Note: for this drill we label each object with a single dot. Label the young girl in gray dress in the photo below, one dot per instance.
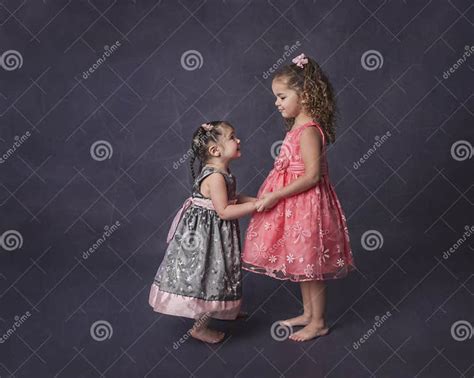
(200, 275)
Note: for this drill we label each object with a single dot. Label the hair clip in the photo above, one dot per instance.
(300, 60)
(207, 126)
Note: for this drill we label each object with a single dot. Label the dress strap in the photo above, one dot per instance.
(205, 172)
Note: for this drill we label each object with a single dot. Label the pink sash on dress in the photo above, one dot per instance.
(203, 202)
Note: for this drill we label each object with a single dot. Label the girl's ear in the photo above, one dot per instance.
(214, 150)
(302, 98)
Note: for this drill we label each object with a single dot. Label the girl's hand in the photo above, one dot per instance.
(269, 200)
(258, 205)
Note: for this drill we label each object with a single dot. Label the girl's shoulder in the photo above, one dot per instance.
(304, 126)
(311, 124)
(208, 170)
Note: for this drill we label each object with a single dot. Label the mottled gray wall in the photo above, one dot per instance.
(85, 145)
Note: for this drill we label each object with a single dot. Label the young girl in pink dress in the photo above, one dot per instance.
(299, 232)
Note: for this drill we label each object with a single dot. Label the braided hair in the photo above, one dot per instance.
(315, 89)
(205, 134)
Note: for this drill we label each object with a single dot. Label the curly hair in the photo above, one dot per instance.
(315, 90)
(202, 137)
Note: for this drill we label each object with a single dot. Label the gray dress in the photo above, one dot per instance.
(201, 270)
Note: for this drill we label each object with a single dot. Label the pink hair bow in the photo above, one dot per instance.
(207, 126)
(300, 60)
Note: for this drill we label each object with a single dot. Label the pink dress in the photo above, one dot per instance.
(304, 237)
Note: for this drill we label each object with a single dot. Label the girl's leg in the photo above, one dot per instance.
(202, 332)
(305, 318)
(317, 325)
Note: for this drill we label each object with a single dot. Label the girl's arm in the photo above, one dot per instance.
(242, 198)
(218, 194)
(310, 153)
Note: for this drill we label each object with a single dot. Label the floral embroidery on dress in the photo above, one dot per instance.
(309, 271)
(267, 226)
(300, 233)
(269, 272)
(324, 256)
(340, 263)
(261, 249)
(251, 234)
(288, 213)
(279, 212)
(272, 259)
(290, 258)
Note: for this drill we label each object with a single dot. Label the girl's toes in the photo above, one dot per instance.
(220, 337)
(217, 337)
(293, 337)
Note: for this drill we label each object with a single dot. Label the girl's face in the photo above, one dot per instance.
(229, 144)
(287, 100)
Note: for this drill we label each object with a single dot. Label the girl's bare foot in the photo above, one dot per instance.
(301, 320)
(309, 332)
(207, 335)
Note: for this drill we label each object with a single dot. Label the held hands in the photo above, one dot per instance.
(267, 201)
